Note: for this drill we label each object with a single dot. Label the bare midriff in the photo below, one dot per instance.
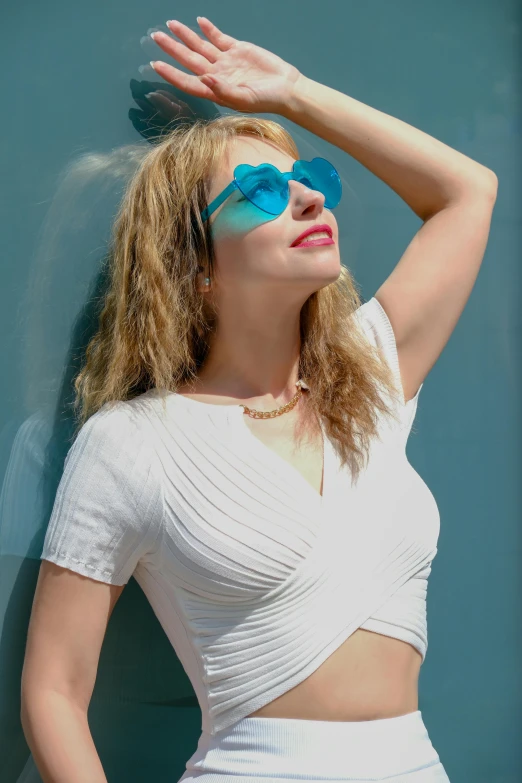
(370, 676)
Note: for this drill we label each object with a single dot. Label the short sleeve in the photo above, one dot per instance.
(378, 329)
(107, 513)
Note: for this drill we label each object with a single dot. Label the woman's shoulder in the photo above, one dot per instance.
(118, 427)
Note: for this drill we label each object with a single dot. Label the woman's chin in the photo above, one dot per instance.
(322, 275)
(326, 268)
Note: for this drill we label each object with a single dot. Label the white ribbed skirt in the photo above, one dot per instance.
(276, 750)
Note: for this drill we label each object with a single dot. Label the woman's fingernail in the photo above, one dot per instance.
(152, 65)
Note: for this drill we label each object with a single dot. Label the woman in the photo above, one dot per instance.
(287, 559)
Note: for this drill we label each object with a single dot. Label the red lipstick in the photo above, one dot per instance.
(316, 241)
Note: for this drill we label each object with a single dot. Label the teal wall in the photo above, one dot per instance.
(75, 122)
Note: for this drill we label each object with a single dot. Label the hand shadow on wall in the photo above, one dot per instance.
(163, 106)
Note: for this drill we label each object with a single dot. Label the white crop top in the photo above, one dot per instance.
(255, 577)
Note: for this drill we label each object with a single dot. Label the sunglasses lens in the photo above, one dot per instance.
(320, 175)
(264, 187)
(267, 189)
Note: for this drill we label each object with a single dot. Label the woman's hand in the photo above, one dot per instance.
(232, 73)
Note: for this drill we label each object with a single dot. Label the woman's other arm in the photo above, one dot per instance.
(58, 734)
(69, 618)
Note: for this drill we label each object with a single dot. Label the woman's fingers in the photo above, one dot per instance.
(193, 41)
(185, 82)
(219, 39)
(196, 62)
(194, 53)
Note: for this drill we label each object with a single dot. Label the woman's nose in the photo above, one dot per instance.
(304, 197)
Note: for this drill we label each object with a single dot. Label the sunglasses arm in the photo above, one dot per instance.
(206, 213)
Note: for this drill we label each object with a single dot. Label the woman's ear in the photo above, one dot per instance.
(203, 281)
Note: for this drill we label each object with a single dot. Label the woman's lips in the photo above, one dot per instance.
(322, 228)
(312, 242)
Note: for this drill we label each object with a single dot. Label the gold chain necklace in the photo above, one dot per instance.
(278, 411)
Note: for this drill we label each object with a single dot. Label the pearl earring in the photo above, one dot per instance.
(207, 280)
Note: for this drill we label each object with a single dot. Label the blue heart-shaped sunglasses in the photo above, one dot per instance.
(267, 187)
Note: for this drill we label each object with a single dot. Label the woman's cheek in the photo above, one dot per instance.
(239, 220)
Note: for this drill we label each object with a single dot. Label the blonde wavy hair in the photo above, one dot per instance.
(154, 325)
